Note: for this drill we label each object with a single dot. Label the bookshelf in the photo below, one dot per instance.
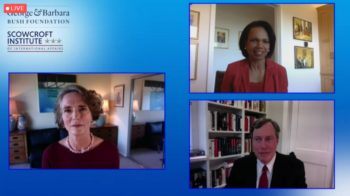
(221, 130)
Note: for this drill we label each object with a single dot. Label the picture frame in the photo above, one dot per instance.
(49, 87)
(302, 29)
(194, 24)
(119, 95)
(193, 60)
(303, 57)
(221, 38)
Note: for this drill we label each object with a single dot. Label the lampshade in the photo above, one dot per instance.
(13, 107)
(105, 106)
(135, 105)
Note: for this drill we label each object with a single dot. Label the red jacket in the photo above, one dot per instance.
(236, 78)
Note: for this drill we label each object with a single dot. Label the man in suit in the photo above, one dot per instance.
(266, 168)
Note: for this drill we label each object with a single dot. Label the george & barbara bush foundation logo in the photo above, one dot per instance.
(36, 29)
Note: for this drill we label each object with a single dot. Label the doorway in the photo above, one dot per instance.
(147, 120)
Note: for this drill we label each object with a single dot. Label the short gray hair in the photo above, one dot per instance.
(262, 121)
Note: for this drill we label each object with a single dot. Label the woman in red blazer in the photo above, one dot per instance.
(257, 72)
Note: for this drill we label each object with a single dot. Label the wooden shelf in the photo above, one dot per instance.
(226, 157)
(198, 159)
(212, 115)
(225, 132)
(221, 186)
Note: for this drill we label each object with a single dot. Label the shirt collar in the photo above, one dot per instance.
(269, 165)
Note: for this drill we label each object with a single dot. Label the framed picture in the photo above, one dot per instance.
(49, 86)
(194, 24)
(303, 57)
(302, 29)
(221, 37)
(193, 60)
(119, 95)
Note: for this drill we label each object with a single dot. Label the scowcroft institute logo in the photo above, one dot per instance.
(35, 29)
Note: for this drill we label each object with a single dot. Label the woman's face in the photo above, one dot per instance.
(258, 44)
(76, 114)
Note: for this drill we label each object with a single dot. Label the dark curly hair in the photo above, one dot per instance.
(92, 99)
(270, 33)
(261, 122)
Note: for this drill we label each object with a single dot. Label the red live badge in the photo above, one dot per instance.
(15, 8)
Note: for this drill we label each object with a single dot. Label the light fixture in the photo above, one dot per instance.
(135, 105)
(135, 108)
(105, 106)
(13, 107)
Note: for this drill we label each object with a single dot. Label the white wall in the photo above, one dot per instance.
(24, 89)
(120, 115)
(194, 132)
(206, 14)
(300, 80)
(275, 111)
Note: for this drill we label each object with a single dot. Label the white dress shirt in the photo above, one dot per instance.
(259, 167)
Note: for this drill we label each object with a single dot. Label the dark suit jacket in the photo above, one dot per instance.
(288, 172)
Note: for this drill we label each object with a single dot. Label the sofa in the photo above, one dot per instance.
(154, 135)
(38, 140)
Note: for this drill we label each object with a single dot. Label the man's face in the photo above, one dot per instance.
(265, 143)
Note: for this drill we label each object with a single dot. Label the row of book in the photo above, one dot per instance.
(248, 122)
(220, 174)
(198, 178)
(237, 104)
(248, 104)
(224, 146)
(225, 121)
(255, 105)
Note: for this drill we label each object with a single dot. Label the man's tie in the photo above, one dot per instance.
(263, 182)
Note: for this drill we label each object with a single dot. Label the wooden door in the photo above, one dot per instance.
(326, 39)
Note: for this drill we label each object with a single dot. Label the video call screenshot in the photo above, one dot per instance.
(173, 98)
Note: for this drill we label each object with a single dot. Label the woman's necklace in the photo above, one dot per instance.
(83, 150)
